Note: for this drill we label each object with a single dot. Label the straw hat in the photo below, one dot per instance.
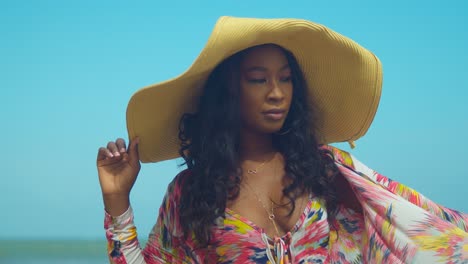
(344, 79)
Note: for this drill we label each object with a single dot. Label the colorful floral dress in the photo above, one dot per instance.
(397, 225)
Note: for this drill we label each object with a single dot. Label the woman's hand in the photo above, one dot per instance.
(118, 168)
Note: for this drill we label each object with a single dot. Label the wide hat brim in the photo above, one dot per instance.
(344, 80)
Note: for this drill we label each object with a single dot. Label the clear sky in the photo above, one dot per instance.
(68, 69)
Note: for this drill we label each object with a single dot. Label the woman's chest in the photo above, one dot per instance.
(238, 240)
(274, 220)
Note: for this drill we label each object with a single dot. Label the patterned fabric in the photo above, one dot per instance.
(397, 225)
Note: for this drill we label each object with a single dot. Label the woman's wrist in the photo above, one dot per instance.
(116, 205)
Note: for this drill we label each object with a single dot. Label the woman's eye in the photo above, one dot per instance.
(257, 80)
(286, 79)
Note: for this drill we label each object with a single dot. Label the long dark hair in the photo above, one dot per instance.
(210, 147)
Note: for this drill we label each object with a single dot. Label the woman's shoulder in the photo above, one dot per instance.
(168, 218)
(338, 155)
(174, 189)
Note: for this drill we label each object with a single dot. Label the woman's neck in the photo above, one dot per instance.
(255, 146)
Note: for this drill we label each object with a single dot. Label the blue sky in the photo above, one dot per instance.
(68, 69)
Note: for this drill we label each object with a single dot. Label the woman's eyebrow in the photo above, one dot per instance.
(260, 68)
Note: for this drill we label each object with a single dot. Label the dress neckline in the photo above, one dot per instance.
(261, 230)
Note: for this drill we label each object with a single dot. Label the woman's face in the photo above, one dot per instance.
(265, 89)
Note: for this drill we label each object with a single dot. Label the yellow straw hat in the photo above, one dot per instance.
(344, 80)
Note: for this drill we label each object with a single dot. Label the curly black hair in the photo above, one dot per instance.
(210, 147)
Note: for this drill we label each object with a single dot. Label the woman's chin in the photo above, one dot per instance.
(272, 130)
(267, 128)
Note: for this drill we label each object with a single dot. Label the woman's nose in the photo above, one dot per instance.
(275, 93)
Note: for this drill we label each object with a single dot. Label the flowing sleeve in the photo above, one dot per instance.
(401, 224)
(164, 243)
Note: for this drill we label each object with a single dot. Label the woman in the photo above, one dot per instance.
(260, 187)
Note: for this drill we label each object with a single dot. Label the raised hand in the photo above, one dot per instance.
(118, 168)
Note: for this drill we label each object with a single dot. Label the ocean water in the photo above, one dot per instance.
(53, 252)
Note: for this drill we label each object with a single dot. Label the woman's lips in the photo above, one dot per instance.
(274, 114)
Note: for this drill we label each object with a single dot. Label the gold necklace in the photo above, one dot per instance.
(271, 214)
(254, 171)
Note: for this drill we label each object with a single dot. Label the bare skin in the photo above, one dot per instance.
(118, 168)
